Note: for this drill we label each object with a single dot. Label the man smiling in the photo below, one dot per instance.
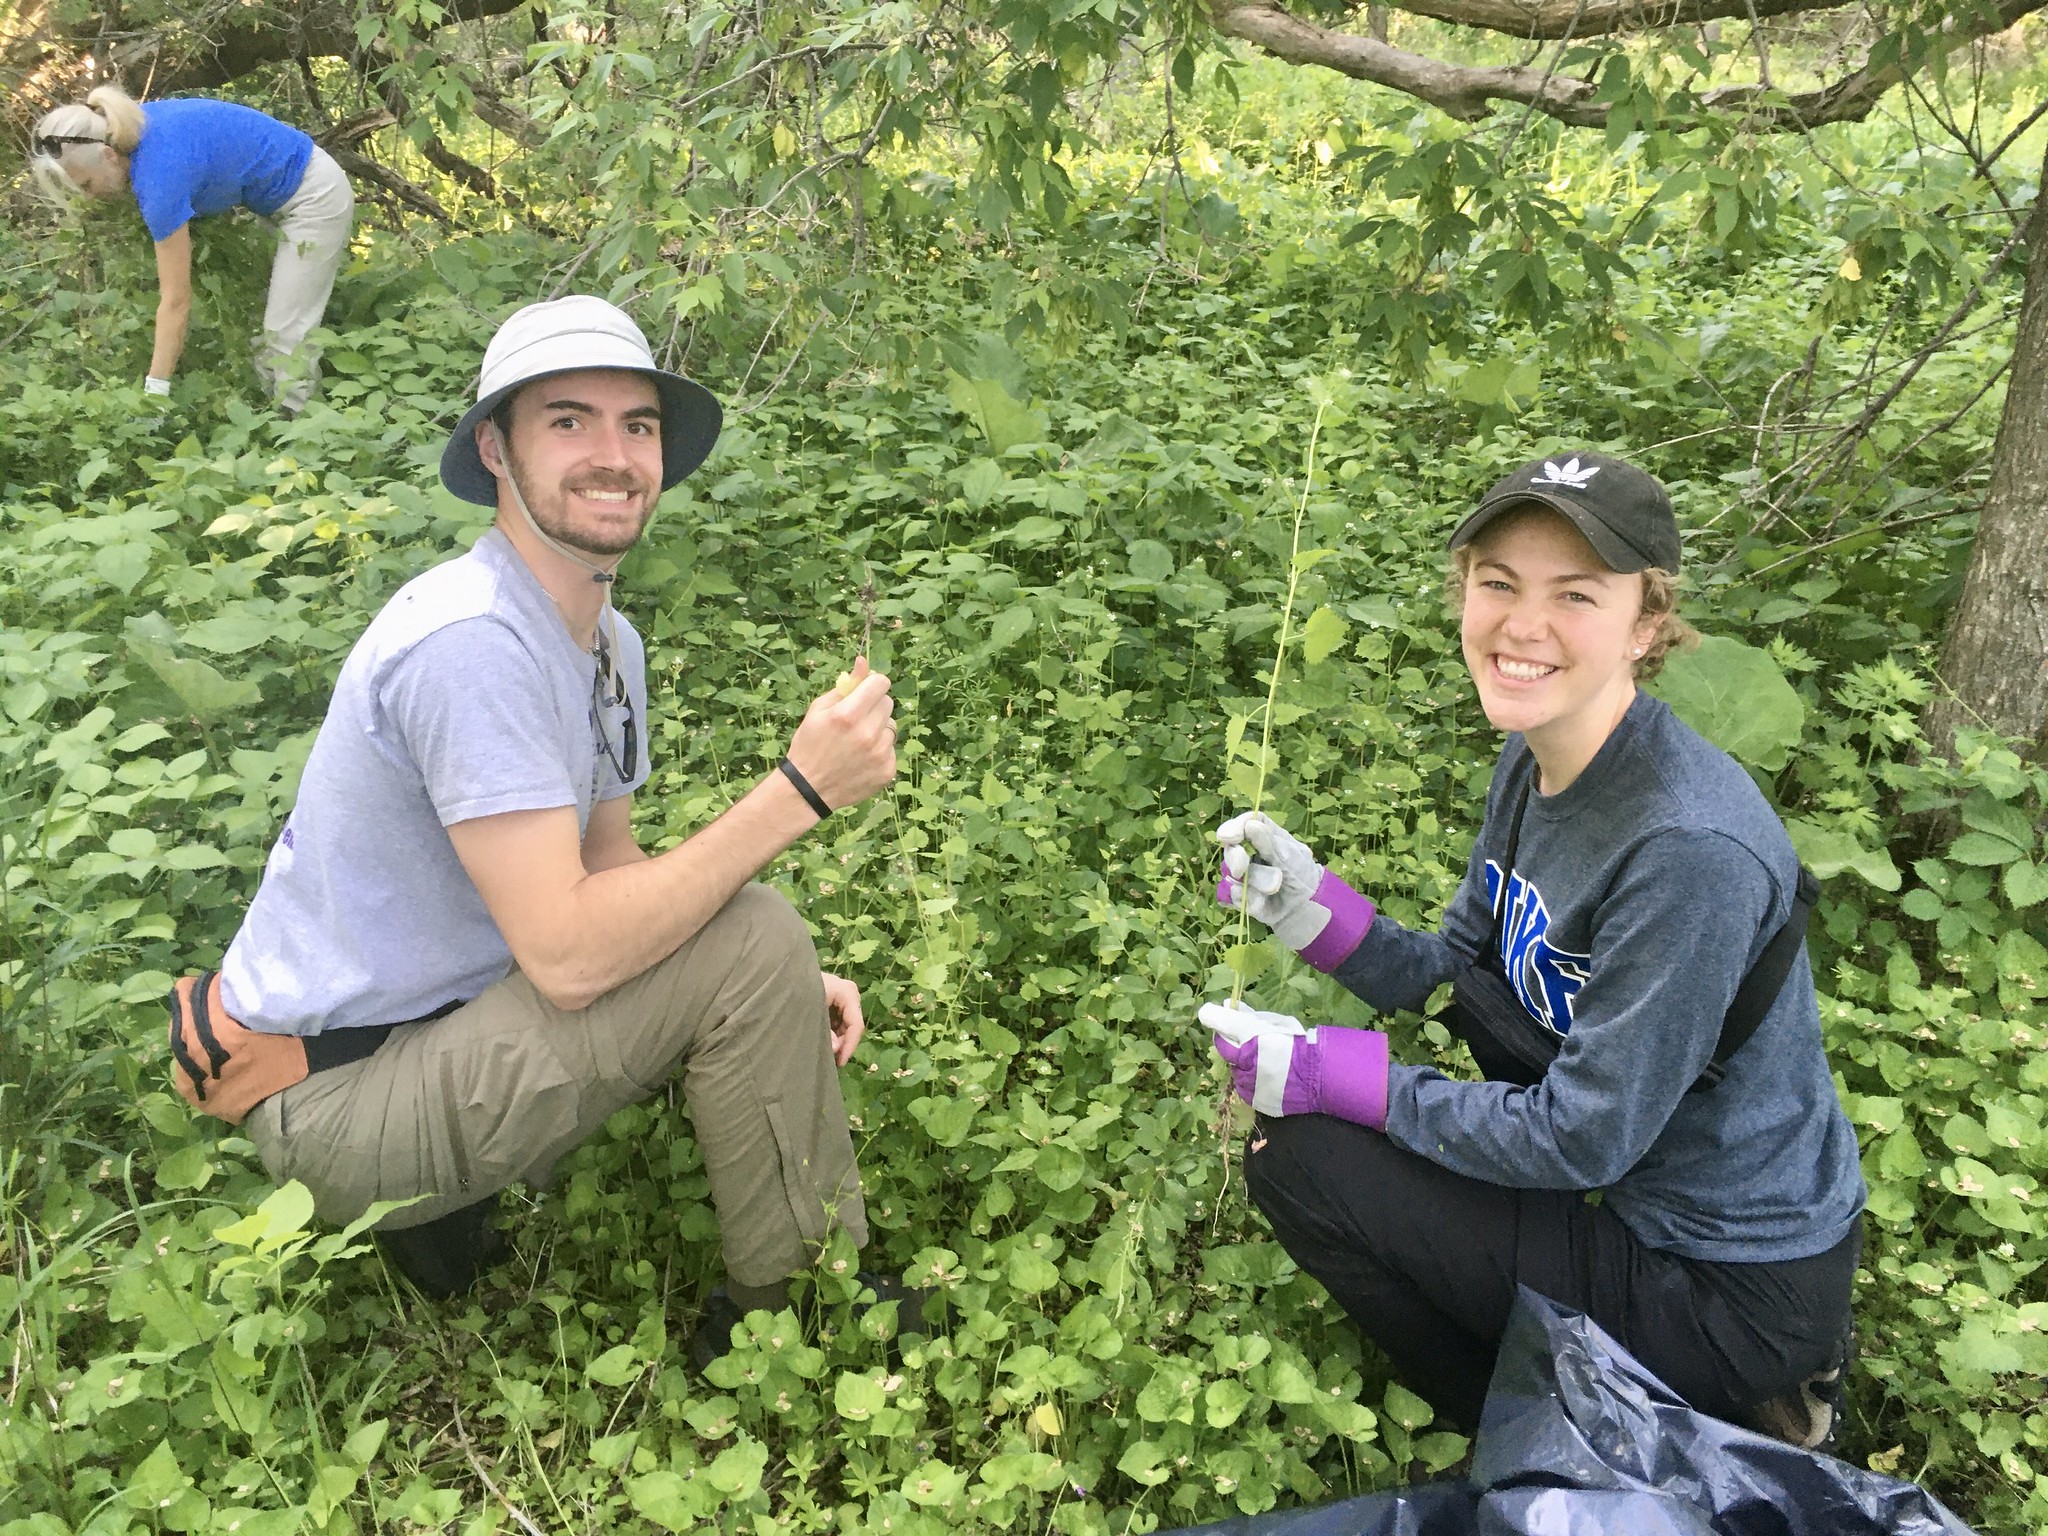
(460, 960)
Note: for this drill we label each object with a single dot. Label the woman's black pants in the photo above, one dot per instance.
(1426, 1262)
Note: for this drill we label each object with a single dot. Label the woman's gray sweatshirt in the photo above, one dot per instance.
(1641, 896)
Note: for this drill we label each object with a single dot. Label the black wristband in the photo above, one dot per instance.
(812, 798)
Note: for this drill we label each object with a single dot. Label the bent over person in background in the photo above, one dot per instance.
(460, 961)
(190, 157)
(1627, 961)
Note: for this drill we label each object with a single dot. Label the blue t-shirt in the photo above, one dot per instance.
(199, 157)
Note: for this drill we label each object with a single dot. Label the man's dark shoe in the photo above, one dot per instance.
(444, 1257)
(713, 1334)
(909, 1301)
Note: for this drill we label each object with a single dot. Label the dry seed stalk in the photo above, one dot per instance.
(1308, 478)
(1224, 1110)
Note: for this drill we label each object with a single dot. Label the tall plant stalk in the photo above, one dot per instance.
(1308, 477)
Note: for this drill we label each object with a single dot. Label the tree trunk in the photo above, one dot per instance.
(1995, 662)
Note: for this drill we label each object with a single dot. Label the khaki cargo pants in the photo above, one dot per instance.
(458, 1107)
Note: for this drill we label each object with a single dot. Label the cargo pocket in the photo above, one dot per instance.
(512, 1107)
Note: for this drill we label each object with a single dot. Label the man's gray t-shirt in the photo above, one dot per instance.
(1642, 893)
(466, 697)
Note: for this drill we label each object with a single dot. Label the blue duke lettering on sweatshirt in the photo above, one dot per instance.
(1641, 895)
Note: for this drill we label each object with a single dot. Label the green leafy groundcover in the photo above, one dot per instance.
(1080, 542)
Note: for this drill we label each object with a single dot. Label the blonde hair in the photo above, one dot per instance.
(1659, 599)
(107, 120)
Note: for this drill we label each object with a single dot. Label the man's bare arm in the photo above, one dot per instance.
(608, 842)
(577, 932)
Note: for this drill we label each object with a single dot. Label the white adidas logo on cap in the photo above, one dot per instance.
(1571, 474)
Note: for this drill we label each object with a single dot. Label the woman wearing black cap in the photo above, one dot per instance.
(1626, 955)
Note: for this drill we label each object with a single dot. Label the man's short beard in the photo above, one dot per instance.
(551, 525)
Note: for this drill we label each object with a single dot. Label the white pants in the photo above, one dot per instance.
(314, 227)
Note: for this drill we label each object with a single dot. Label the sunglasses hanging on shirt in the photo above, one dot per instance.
(608, 692)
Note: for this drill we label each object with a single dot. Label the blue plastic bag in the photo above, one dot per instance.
(1578, 1439)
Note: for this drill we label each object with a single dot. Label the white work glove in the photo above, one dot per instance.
(1278, 880)
(1239, 1022)
(152, 385)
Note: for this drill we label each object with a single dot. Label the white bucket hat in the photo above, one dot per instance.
(565, 336)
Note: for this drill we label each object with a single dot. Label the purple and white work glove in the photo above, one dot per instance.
(1310, 910)
(1280, 1068)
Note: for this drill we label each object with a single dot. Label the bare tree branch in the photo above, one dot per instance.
(1467, 92)
(1463, 91)
(362, 168)
(221, 43)
(1550, 20)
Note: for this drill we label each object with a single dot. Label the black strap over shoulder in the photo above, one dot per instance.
(1753, 998)
(1760, 988)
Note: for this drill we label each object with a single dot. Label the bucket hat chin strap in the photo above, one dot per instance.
(603, 577)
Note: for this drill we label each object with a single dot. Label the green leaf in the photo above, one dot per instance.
(157, 1480)
(1150, 560)
(1031, 1272)
(858, 1395)
(1406, 1409)
(1981, 848)
(1251, 961)
(664, 1498)
(278, 1219)
(933, 1483)
(229, 634)
(1169, 1395)
(1963, 1134)
(1146, 1462)
(944, 1120)
(2026, 883)
(1321, 636)
(1827, 851)
(615, 1367)
(1286, 1382)
(2022, 959)
(713, 1419)
(1059, 1167)
(1976, 1348)
(1004, 421)
(1034, 530)
(980, 482)
(204, 691)
(736, 1472)
(1009, 626)
(1901, 1160)
(187, 1168)
(1224, 1401)
(1985, 813)
(1735, 696)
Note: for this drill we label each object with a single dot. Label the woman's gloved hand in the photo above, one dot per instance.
(1280, 1068)
(1310, 910)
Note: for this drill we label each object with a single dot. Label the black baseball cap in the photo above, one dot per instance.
(1624, 513)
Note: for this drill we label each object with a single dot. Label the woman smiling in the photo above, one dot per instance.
(1627, 965)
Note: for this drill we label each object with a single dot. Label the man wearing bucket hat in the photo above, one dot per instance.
(460, 962)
